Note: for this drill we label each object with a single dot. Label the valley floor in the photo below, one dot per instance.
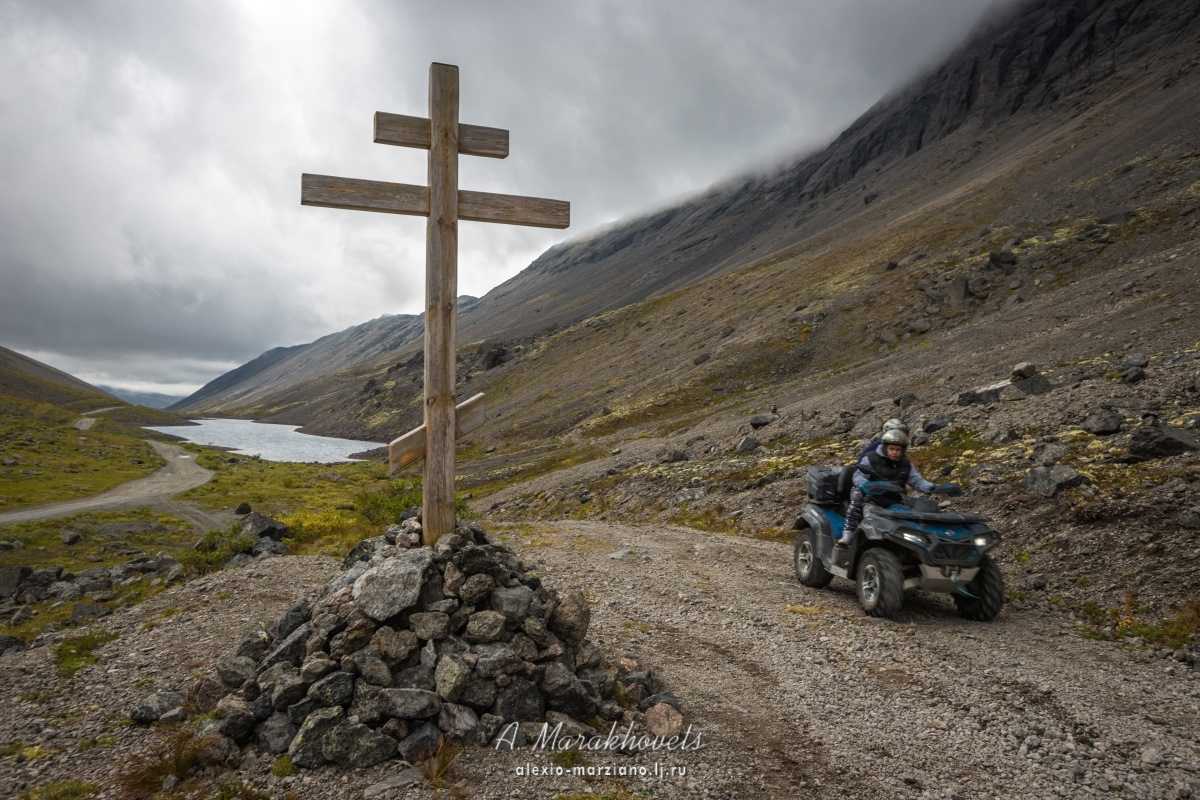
(794, 692)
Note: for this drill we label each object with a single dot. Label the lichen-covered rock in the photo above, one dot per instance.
(663, 720)
(457, 722)
(307, 749)
(393, 586)
(520, 701)
(571, 619)
(430, 625)
(335, 689)
(484, 626)
(411, 703)
(351, 745)
(566, 693)
(155, 704)
(359, 631)
(421, 744)
(297, 615)
(317, 667)
(497, 659)
(476, 588)
(393, 646)
(206, 692)
(513, 603)
(450, 677)
(237, 718)
(479, 693)
(275, 734)
(289, 688)
(291, 650)
(372, 669)
(235, 670)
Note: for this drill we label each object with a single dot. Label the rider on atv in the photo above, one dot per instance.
(886, 463)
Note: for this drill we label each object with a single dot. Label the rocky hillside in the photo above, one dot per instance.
(1032, 200)
(1030, 101)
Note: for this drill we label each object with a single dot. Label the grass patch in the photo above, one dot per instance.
(571, 757)
(145, 775)
(47, 460)
(62, 790)
(558, 459)
(215, 548)
(714, 518)
(101, 542)
(281, 487)
(284, 767)
(438, 769)
(805, 611)
(72, 654)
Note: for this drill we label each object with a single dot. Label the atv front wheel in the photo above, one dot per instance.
(809, 569)
(880, 583)
(988, 588)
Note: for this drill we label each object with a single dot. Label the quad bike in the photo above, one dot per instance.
(905, 545)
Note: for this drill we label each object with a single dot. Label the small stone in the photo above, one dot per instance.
(663, 720)
(484, 626)
(430, 625)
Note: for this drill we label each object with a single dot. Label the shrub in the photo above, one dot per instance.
(385, 506)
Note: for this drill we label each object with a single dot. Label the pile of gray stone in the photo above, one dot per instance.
(22, 586)
(409, 647)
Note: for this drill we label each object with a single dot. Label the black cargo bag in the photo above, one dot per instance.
(822, 484)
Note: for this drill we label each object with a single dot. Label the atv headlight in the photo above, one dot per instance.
(981, 541)
(915, 537)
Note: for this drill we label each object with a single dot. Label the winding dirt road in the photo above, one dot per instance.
(180, 474)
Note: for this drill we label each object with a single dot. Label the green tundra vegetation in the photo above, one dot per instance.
(44, 459)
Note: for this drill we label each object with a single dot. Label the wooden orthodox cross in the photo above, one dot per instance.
(444, 204)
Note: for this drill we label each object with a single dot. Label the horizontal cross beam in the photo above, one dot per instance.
(403, 198)
(410, 448)
(406, 131)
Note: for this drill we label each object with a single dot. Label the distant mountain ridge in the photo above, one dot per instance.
(147, 399)
(284, 367)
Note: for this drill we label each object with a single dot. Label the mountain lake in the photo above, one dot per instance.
(268, 441)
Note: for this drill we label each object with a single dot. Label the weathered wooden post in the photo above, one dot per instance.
(444, 205)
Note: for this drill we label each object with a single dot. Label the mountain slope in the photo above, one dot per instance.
(1019, 128)
(29, 379)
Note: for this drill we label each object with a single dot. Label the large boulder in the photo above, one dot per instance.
(393, 586)
(1049, 481)
(257, 526)
(1160, 441)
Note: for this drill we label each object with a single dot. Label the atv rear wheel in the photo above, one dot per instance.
(880, 583)
(988, 588)
(809, 569)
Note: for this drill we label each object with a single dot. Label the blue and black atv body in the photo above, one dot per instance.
(904, 545)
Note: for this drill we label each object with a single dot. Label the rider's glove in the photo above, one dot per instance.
(951, 489)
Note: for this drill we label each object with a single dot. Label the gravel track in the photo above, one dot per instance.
(180, 474)
(793, 691)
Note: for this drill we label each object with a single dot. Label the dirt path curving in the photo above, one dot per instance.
(180, 474)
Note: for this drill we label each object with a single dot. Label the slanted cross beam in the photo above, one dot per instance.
(444, 204)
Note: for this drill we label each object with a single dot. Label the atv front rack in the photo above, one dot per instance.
(928, 516)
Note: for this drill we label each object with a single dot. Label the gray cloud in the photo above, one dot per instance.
(150, 227)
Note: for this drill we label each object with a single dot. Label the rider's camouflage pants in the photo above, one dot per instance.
(854, 513)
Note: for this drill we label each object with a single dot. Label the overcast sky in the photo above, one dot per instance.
(151, 232)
